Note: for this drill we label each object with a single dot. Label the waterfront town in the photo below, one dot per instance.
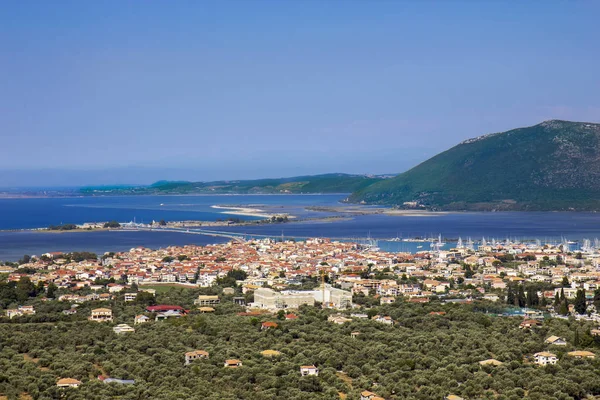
(266, 278)
(274, 269)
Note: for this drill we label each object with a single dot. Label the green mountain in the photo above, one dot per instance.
(554, 165)
(328, 183)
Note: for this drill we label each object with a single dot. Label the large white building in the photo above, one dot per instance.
(273, 300)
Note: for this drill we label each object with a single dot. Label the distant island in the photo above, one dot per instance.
(552, 166)
(326, 183)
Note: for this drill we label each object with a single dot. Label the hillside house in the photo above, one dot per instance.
(306, 370)
(556, 341)
(68, 382)
(233, 363)
(101, 315)
(191, 356)
(544, 358)
(123, 328)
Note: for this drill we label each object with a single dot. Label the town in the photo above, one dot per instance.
(274, 281)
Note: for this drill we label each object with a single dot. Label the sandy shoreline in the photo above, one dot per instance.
(246, 212)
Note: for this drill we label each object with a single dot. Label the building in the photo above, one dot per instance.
(582, 354)
(272, 300)
(22, 310)
(228, 291)
(544, 358)
(367, 395)
(338, 319)
(268, 325)
(206, 300)
(191, 356)
(233, 363)
(123, 328)
(101, 315)
(141, 319)
(68, 382)
(130, 296)
(306, 370)
(333, 297)
(556, 341)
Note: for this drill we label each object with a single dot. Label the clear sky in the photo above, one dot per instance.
(132, 92)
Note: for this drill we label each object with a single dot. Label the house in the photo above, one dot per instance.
(167, 314)
(233, 363)
(164, 307)
(205, 300)
(206, 310)
(387, 300)
(493, 362)
(354, 335)
(228, 291)
(268, 325)
(453, 397)
(338, 319)
(190, 356)
(101, 315)
(367, 395)
(70, 311)
(68, 382)
(141, 319)
(123, 328)
(595, 332)
(384, 319)
(529, 323)
(556, 341)
(309, 370)
(544, 358)
(291, 316)
(115, 380)
(582, 354)
(130, 296)
(22, 310)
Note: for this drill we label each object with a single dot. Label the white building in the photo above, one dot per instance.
(306, 370)
(544, 358)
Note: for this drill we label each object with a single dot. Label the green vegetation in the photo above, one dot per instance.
(327, 183)
(63, 227)
(550, 166)
(112, 224)
(423, 356)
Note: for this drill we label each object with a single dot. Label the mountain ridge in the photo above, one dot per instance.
(551, 166)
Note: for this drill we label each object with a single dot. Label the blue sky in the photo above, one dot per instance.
(133, 92)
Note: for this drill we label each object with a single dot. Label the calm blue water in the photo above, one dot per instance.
(40, 212)
(13, 245)
(32, 213)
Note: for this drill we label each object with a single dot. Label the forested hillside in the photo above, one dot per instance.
(550, 166)
(422, 356)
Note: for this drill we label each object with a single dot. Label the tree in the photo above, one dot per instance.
(25, 289)
(597, 299)
(580, 304)
(556, 300)
(25, 260)
(51, 292)
(162, 222)
(565, 282)
(510, 296)
(112, 224)
(564, 308)
(521, 300)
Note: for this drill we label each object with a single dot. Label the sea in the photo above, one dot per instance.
(19, 217)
